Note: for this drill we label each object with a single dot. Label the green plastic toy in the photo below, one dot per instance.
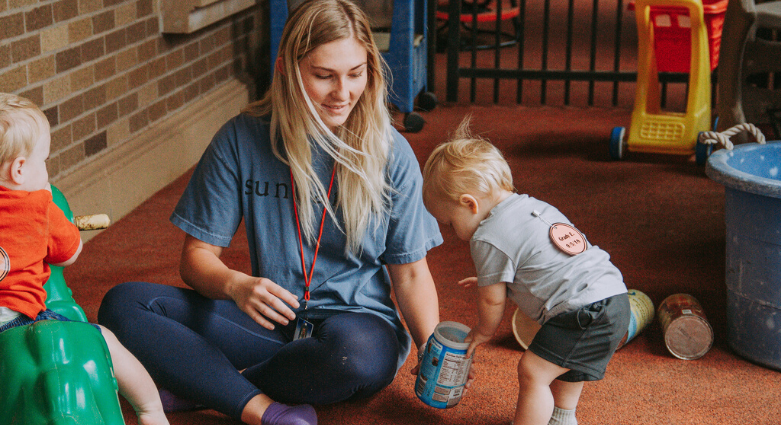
(59, 297)
(57, 373)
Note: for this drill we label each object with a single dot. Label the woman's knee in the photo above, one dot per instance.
(122, 293)
(365, 349)
(375, 368)
(116, 303)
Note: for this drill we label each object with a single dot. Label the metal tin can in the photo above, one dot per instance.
(687, 333)
(641, 306)
(642, 309)
(444, 368)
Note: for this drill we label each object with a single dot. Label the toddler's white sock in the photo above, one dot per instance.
(563, 417)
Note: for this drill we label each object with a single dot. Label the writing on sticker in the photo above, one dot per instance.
(567, 238)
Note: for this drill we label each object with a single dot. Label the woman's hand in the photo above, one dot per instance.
(263, 300)
(416, 369)
(416, 296)
(470, 378)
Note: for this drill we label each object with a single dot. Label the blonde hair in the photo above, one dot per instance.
(360, 147)
(21, 124)
(466, 164)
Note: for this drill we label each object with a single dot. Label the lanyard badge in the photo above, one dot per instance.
(308, 278)
(304, 329)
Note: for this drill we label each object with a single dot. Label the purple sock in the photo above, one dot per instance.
(282, 414)
(172, 403)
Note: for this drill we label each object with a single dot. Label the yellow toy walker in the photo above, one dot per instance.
(653, 130)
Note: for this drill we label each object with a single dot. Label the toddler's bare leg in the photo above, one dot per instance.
(566, 394)
(134, 383)
(565, 400)
(535, 399)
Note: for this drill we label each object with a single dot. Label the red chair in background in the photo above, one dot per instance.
(474, 19)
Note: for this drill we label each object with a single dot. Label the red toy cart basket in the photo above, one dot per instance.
(672, 34)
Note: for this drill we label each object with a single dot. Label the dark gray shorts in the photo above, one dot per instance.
(584, 340)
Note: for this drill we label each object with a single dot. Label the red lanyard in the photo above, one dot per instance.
(308, 279)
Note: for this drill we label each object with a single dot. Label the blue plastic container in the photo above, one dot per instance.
(444, 368)
(751, 175)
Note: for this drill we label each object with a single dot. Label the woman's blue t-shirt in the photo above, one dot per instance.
(238, 177)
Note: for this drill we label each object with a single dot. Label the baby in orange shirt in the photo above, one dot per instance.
(34, 233)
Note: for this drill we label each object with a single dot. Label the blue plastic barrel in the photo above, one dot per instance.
(751, 175)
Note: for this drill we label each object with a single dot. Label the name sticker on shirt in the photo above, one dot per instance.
(565, 236)
(5, 263)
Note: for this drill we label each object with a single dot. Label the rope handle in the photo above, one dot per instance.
(714, 137)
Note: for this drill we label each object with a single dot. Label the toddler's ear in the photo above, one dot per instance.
(470, 202)
(16, 170)
(279, 66)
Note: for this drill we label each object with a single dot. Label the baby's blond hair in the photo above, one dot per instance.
(21, 123)
(465, 164)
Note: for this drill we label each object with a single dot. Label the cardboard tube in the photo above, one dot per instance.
(91, 222)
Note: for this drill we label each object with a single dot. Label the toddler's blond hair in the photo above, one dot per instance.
(21, 124)
(466, 164)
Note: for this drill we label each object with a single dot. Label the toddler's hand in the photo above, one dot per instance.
(466, 283)
(474, 339)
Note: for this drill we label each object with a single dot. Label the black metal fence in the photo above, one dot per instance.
(570, 52)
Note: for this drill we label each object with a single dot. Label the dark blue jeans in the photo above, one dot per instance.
(212, 353)
(44, 315)
(24, 320)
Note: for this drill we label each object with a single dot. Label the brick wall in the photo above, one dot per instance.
(102, 72)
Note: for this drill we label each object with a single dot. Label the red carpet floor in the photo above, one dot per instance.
(660, 217)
